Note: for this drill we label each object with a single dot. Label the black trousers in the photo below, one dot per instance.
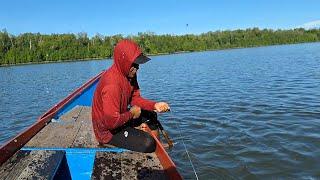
(134, 139)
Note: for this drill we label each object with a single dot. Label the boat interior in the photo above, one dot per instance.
(67, 149)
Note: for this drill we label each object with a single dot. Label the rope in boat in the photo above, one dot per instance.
(185, 147)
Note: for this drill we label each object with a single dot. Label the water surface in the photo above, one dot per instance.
(242, 113)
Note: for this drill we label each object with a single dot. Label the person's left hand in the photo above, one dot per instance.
(161, 107)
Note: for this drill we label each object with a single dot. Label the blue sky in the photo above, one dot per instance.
(162, 16)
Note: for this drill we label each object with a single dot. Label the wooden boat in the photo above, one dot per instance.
(61, 145)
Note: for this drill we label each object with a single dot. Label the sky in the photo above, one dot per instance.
(128, 17)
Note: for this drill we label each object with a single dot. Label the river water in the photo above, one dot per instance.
(241, 113)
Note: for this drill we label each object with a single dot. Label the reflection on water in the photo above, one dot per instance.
(243, 113)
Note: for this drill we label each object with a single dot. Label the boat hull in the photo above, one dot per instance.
(80, 97)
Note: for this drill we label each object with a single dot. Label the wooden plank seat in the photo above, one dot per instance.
(38, 164)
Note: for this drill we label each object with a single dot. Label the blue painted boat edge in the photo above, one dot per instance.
(80, 165)
(76, 150)
(83, 99)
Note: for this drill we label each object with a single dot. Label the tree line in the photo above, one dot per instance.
(38, 48)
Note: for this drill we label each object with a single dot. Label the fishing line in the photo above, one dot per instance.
(185, 147)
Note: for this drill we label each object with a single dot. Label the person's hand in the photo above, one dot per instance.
(136, 111)
(161, 107)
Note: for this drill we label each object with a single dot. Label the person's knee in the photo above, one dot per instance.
(150, 145)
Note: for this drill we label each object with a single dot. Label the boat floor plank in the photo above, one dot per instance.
(85, 137)
(127, 165)
(32, 165)
(59, 133)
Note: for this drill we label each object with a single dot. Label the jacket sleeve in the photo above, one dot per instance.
(140, 101)
(111, 98)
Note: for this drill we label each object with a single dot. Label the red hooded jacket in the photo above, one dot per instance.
(114, 93)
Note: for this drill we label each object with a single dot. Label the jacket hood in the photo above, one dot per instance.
(125, 52)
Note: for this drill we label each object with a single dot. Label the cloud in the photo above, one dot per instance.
(311, 25)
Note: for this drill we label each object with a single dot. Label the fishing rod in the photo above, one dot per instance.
(164, 133)
(152, 118)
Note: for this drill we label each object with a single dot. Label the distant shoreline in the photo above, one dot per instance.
(158, 54)
(35, 48)
(52, 62)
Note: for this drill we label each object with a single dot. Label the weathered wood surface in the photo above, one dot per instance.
(85, 137)
(127, 165)
(32, 165)
(73, 129)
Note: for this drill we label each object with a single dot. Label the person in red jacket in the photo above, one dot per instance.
(117, 102)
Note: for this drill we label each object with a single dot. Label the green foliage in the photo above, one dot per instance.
(30, 47)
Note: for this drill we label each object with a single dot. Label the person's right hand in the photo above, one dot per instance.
(161, 107)
(136, 111)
